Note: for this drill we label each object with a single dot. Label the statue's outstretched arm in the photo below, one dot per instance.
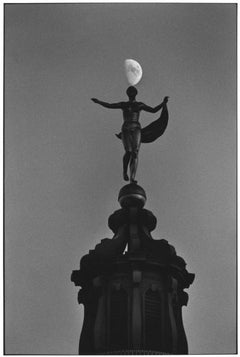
(108, 105)
(149, 109)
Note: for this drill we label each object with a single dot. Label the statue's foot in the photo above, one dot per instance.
(125, 176)
(133, 181)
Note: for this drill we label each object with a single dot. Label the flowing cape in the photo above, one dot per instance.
(155, 129)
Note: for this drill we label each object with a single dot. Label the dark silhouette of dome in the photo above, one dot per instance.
(132, 287)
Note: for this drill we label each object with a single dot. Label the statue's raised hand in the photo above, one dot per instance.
(95, 100)
(165, 100)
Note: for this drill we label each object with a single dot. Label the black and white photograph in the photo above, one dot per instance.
(120, 170)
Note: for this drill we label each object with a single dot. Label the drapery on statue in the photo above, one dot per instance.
(132, 135)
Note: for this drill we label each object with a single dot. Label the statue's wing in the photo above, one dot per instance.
(155, 129)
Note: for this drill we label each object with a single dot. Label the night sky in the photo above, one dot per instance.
(63, 163)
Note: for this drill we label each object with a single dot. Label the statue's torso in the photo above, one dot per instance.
(131, 112)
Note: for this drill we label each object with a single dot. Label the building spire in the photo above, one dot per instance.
(132, 286)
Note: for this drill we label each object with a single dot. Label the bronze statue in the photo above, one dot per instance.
(132, 135)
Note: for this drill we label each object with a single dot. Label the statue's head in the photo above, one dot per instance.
(132, 92)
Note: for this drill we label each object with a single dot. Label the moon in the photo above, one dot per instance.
(133, 71)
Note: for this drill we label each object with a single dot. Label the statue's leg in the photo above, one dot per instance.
(126, 158)
(136, 142)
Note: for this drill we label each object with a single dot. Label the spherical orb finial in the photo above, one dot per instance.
(132, 195)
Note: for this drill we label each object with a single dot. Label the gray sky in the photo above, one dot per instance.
(64, 163)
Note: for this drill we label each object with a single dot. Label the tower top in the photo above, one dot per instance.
(132, 286)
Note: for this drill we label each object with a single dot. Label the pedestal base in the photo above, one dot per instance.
(132, 195)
